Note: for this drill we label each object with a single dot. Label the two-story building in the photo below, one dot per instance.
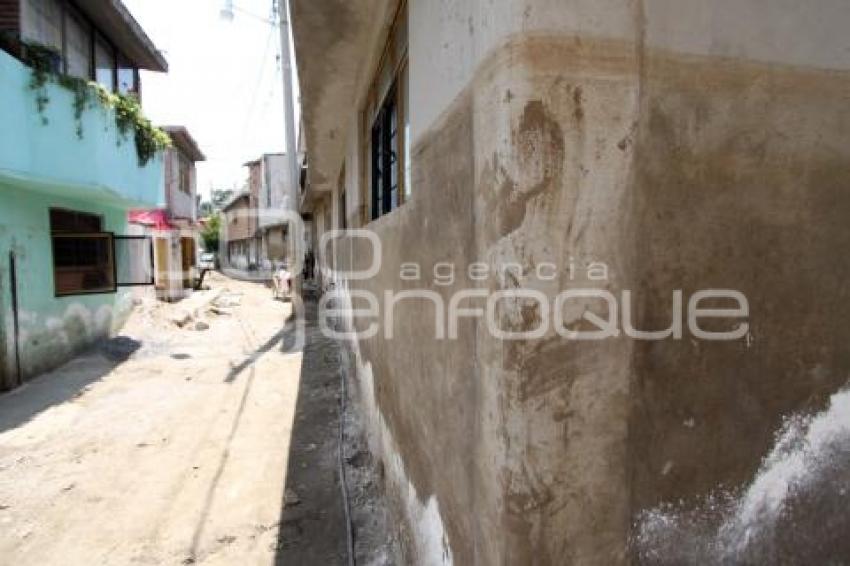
(276, 205)
(239, 229)
(69, 172)
(257, 219)
(174, 226)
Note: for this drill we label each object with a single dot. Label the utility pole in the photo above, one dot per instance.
(281, 8)
(296, 240)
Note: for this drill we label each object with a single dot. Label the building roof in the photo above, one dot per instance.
(235, 198)
(184, 141)
(115, 21)
(255, 161)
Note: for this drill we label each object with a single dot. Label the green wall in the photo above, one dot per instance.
(45, 163)
(52, 329)
(42, 149)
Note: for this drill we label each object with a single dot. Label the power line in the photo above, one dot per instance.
(257, 84)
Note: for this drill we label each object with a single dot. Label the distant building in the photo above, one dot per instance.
(239, 228)
(174, 226)
(276, 203)
(256, 219)
(67, 181)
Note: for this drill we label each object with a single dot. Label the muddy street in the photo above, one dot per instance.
(176, 444)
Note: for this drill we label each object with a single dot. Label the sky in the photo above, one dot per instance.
(224, 81)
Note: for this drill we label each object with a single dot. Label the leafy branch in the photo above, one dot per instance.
(129, 118)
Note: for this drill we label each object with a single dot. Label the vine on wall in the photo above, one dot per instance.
(129, 118)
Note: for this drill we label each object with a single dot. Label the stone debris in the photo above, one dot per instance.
(291, 498)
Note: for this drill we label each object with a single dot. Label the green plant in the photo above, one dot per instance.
(41, 59)
(129, 118)
(82, 96)
(211, 233)
(220, 197)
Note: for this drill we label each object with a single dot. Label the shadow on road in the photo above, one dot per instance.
(65, 383)
(313, 527)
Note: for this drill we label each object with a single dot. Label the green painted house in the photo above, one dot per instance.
(69, 173)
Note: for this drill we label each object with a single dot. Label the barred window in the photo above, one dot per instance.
(390, 127)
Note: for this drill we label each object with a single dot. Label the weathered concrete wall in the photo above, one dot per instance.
(427, 394)
(741, 172)
(682, 149)
(552, 183)
(52, 329)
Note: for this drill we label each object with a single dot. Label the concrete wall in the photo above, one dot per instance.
(52, 329)
(44, 150)
(276, 184)
(740, 176)
(179, 203)
(51, 158)
(687, 145)
(239, 220)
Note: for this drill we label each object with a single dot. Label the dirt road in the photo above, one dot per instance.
(181, 453)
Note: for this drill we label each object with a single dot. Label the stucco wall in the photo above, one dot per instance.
(43, 149)
(52, 329)
(179, 203)
(741, 170)
(687, 145)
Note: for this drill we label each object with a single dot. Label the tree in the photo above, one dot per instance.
(220, 197)
(211, 233)
(206, 208)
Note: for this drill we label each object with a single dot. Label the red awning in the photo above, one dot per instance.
(156, 218)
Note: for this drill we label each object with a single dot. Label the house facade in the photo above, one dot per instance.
(276, 205)
(174, 227)
(626, 149)
(239, 232)
(68, 176)
(258, 218)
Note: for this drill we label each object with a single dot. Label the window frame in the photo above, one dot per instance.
(386, 157)
(77, 224)
(386, 151)
(184, 174)
(109, 268)
(71, 224)
(69, 12)
(122, 62)
(69, 9)
(102, 40)
(27, 19)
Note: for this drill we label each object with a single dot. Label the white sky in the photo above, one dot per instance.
(224, 81)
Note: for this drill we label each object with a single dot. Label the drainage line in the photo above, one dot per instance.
(349, 528)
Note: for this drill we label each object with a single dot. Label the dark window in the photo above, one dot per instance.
(385, 158)
(185, 174)
(83, 255)
(80, 49)
(83, 263)
(62, 220)
(388, 109)
(78, 46)
(127, 77)
(41, 22)
(104, 63)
